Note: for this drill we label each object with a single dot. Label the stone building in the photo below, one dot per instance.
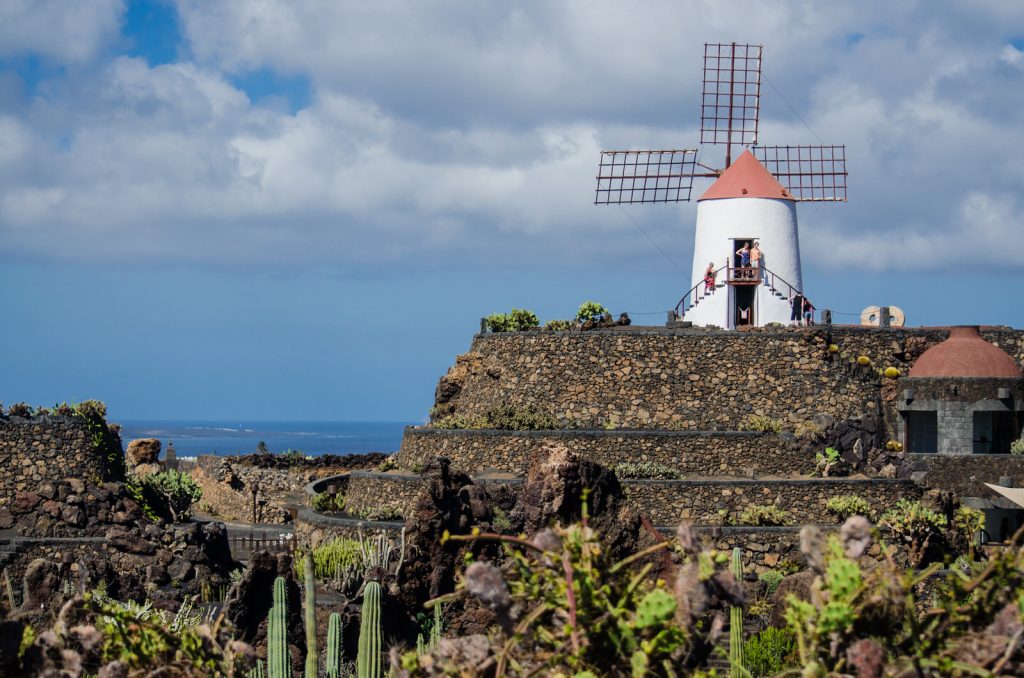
(962, 396)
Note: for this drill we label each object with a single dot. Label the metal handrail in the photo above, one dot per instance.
(680, 308)
(765, 274)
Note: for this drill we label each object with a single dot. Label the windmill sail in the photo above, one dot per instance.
(810, 173)
(628, 177)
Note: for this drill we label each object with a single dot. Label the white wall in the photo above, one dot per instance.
(771, 222)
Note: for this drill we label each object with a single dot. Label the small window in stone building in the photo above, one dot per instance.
(922, 431)
(993, 432)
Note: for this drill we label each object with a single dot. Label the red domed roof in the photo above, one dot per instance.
(746, 178)
(965, 354)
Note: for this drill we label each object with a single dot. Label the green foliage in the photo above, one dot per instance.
(808, 430)
(325, 502)
(558, 325)
(28, 636)
(760, 423)
(309, 610)
(591, 310)
(369, 662)
(171, 493)
(646, 469)
(737, 661)
(500, 520)
(503, 418)
(826, 461)
(279, 661)
(770, 652)
(517, 320)
(1017, 446)
(334, 556)
(568, 609)
(761, 515)
(333, 667)
(771, 580)
(383, 513)
(844, 506)
(915, 525)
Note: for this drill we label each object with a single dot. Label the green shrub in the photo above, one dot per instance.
(760, 423)
(808, 430)
(558, 325)
(591, 310)
(378, 513)
(770, 651)
(646, 469)
(762, 515)
(847, 505)
(171, 494)
(328, 503)
(502, 418)
(517, 320)
(825, 461)
(1017, 446)
(527, 418)
(334, 556)
(771, 579)
(915, 525)
(500, 521)
(460, 421)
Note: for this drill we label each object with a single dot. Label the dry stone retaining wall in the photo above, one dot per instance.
(694, 379)
(708, 502)
(692, 453)
(966, 474)
(43, 449)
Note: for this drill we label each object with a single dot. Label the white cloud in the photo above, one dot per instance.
(65, 31)
(439, 131)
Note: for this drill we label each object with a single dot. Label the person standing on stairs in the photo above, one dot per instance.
(709, 278)
(797, 302)
(808, 312)
(756, 258)
(744, 254)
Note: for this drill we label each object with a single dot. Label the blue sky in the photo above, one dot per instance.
(300, 210)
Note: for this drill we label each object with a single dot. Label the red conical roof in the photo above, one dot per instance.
(965, 354)
(746, 178)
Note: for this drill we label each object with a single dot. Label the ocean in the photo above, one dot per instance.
(192, 438)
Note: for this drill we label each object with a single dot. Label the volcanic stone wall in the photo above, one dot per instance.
(688, 378)
(692, 453)
(705, 502)
(40, 449)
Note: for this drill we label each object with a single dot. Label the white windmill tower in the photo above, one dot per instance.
(752, 200)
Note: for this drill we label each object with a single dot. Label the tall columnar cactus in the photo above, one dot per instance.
(737, 657)
(334, 646)
(368, 661)
(256, 671)
(310, 612)
(435, 630)
(279, 661)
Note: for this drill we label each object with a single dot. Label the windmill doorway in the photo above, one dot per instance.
(743, 305)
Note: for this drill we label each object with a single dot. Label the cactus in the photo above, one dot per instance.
(256, 671)
(334, 646)
(310, 613)
(279, 660)
(435, 630)
(736, 653)
(368, 661)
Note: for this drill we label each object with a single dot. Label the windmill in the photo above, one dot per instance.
(751, 200)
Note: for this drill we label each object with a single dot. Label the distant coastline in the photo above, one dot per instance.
(228, 437)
